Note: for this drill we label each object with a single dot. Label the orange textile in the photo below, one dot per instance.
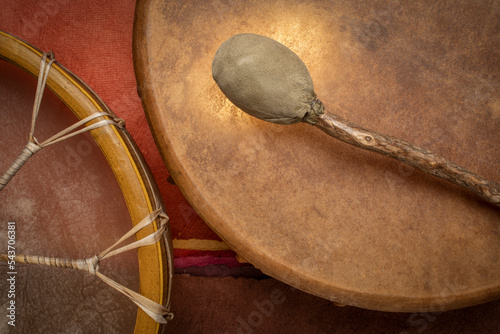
(93, 39)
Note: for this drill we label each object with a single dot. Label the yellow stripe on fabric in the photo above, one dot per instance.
(200, 244)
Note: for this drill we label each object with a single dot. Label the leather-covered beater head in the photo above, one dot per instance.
(266, 79)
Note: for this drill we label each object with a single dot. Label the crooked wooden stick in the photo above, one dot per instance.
(269, 81)
(410, 154)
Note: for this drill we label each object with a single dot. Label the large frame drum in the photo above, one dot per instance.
(327, 218)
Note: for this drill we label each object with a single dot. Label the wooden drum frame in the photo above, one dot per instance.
(140, 193)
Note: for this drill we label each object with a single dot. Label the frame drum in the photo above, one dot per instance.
(330, 219)
(73, 200)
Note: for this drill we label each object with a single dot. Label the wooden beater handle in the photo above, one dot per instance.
(410, 154)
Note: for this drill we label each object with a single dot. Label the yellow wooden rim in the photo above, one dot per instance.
(134, 178)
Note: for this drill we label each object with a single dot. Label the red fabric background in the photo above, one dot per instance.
(93, 39)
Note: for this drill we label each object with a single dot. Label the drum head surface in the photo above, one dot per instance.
(325, 217)
(61, 215)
